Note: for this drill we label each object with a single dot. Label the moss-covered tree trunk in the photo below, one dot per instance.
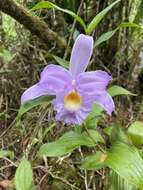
(32, 23)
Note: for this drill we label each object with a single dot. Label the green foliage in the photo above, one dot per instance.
(6, 55)
(125, 160)
(118, 133)
(95, 161)
(94, 116)
(6, 153)
(119, 183)
(24, 176)
(135, 132)
(9, 26)
(118, 90)
(43, 100)
(61, 61)
(68, 142)
(49, 5)
(106, 36)
(129, 25)
(97, 19)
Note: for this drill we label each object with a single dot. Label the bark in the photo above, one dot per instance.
(33, 23)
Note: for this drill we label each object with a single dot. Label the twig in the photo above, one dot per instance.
(65, 181)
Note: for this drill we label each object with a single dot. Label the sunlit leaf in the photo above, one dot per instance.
(119, 183)
(99, 17)
(23, 176)
(126, 161)
(68, 142)
(49, 5)
(61, 61)
(43, 100)
(95, 161)
(135, 132)
(118, 90)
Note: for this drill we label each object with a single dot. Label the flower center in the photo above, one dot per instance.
(72, 101)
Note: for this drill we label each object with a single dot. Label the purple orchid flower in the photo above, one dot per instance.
(75, 90)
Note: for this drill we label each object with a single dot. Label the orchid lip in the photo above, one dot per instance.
(72, 101)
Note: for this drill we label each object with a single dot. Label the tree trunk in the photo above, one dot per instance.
(32, 23)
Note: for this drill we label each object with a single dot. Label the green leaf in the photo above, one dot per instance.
(6, 153)
(129, 25)
(61, 61)
(94, 116)
(118, 133)
(126, 161)
(3, 71)
(68, 142)
(118, 90)
(99, 17)
(119, 183)
(95, 161)
(49, 5)
(24, 176)
(33, 103)
(32, 186)
(108, 130)
(104, 37)
(135, 132)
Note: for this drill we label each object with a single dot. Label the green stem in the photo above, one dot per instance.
(102, 150)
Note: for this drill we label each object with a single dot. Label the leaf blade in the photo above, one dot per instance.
(135, 132)
(118, 183)
(33, 103)
(126, 162)
(106, 36)
(99, 17)
(68, 142)
(49, 5)
(6, 153)
(24, 176)
(118, 90)
(61, 61)
(94, 162)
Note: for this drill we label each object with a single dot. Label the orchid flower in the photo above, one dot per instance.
(75, 90)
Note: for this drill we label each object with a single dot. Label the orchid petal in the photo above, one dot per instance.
(94, 82)
(55, 72)
(53, 79)
(105, 101)
(33, 92)
(81, 54)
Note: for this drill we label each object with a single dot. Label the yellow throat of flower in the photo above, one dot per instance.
(72, 101)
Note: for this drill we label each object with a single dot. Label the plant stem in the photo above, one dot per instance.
(102, 150)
